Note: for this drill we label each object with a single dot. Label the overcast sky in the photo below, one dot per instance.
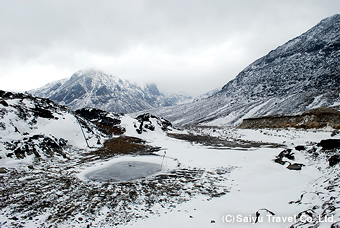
(190, 46)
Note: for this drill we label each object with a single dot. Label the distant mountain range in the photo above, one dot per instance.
(300, 75)
(95, 89)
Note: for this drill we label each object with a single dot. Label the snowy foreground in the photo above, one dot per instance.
(196, 185)
(254, 183)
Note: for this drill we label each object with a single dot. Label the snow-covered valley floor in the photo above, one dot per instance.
(200, 185)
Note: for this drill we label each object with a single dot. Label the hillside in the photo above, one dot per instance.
(315, 118)
(302, 74)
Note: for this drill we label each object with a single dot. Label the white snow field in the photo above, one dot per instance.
(236, 186)
(256, 183)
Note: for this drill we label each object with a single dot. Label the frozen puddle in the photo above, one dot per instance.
(124, 171)
(127, 168)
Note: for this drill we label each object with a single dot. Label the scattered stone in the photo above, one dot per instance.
(212, 221)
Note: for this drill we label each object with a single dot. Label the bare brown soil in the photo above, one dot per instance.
(315, 118)
(119, 146)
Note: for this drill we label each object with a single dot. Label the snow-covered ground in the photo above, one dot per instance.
(256, 183)
(211, 186)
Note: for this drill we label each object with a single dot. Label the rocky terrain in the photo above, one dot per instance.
(47, 150)
(43, 145)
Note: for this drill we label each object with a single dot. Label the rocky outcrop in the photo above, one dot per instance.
(34, 128)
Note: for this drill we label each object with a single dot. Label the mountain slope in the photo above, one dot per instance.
(96, 89)
(302, 74)
(34, 129)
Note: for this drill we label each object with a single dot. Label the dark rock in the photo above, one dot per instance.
(329, 144)
(300, 148)
(107, 122)
(44, 113)
(286, 154)
(4, 103)
(3, 170)
(98, 115)
(150, 127)
(146, 117)
(295, 166)
(9, 155)
(335, 159)
(279, 160)
(28, 146)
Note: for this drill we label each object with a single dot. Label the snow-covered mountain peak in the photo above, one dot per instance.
(94, 77)
(96, 89)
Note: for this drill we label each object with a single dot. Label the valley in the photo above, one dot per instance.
(193, 188)
(98, 151)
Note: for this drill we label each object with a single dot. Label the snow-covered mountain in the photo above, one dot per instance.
(302, 74)
(95, 89)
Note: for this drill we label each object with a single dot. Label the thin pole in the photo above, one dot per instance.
(163, 159)
(81, 128)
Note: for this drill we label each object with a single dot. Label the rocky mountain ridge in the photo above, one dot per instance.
(96, 89)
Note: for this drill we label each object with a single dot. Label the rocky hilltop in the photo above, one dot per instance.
(302, 74)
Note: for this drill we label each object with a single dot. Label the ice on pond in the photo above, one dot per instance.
(124, 171)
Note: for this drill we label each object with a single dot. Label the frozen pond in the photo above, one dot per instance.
(124, 171)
